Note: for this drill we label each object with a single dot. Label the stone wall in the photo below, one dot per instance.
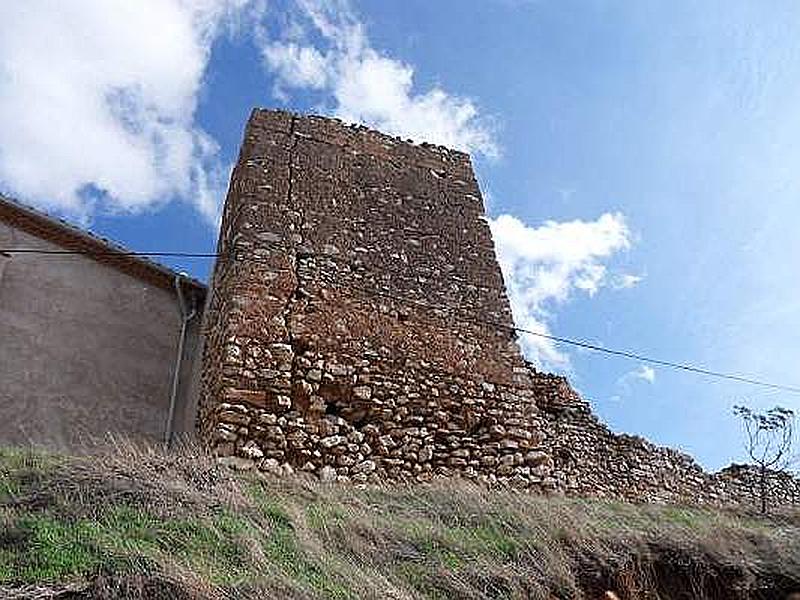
(358, 324)
(358, 329)
(742, 483)
(590, 460)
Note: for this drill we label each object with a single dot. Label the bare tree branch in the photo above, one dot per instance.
(769, 439)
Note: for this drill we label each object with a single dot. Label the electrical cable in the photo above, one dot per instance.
(554, 338)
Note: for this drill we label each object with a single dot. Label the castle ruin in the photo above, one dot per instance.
(358, 329)
(359, 326)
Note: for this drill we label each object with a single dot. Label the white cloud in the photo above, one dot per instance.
(543, 266)
(367, 86)
(300, 66)
(625, 383)
(103, 93)
(626, 281)
(644, 373)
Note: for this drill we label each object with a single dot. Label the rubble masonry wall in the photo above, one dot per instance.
(358, 325)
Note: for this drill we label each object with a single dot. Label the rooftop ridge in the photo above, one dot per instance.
(61, 232)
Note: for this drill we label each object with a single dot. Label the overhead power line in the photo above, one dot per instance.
(108, 253)
(500, 326)
(602, 349)
(663, 363)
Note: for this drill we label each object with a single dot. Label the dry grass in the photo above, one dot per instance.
(135, 522)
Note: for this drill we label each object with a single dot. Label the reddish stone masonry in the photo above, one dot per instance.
(358, 325)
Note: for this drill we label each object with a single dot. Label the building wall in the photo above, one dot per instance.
(358, 321)
(85, 350)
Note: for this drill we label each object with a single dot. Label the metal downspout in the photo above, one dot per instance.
(185, 318)
(7, 237)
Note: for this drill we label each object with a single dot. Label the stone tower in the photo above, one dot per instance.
(358, 325)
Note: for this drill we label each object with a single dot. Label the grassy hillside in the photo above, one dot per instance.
(138, 523)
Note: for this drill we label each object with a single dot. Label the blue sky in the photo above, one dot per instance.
(638, 159)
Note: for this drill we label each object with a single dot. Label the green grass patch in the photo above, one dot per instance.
(452, 545)
(484, 539)
(207, 545)
(685, 517)
(40, 548)
(425, 580)
(45, 547)
(282, 548)
(322, 516)
(21, 470)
